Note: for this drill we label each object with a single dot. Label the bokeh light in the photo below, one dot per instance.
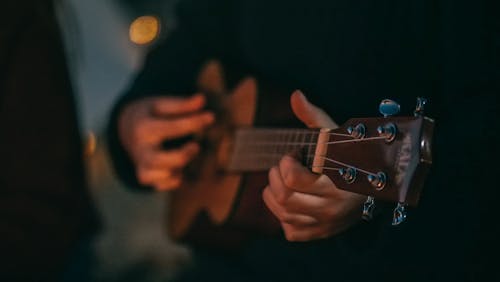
(144, 30)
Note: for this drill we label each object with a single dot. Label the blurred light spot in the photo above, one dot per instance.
(144, 30)
(90, 145)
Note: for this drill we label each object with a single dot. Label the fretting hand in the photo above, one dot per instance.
(309, 206)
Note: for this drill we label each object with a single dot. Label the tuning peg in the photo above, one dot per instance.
(399, 215)
(419, 109)
(378, 180)
(388, 108)
(388, 131)
(368, 208)
(349, 174)
(358, 131)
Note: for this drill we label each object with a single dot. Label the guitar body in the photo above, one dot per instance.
(215, 208)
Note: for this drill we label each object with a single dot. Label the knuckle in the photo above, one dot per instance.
(329, 214)
(290, 179)
(287, 218)
(293, 236)
(281, 198)
(283, 216)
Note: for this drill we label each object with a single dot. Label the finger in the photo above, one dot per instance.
(168, 184)
(276, 186)
(320, 230)
(294, 233)
(165, 106)
(295, 202)
(309, 114)
(180, 127)
(283, 214)
(171, 159)
(147, 176)
(299, 178)
(159, 179)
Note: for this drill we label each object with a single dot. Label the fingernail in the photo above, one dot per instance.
(298, 91)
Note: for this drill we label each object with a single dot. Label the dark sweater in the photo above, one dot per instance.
(347, 56)
(45, 209)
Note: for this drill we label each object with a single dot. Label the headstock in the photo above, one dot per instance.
(384, 158)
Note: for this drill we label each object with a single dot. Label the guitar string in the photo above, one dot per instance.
(345, 165)
(315, 143)
(323, 157)
(324, 167)
(254, 131)
(278, 155)
(356, 140)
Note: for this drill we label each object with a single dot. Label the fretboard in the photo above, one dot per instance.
(258, 149)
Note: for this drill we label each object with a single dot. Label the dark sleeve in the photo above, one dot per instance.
(171, 67)
(45, 209)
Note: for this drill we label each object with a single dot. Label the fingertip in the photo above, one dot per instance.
(308, 113)
(295, 176)
(196, 102)
(209, 118)
(298, 94)
(297, 99)
(272, 173)
(299, 105)
(198, 98)
(286, 163)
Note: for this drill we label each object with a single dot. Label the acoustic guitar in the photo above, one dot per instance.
(220, 202)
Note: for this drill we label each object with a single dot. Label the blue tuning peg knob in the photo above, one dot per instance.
(388, 108)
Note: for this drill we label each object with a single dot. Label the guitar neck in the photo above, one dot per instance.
(258, 149)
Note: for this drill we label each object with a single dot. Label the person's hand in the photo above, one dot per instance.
(145, 124)
(309, 206)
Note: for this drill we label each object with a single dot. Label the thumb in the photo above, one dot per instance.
(309, 114)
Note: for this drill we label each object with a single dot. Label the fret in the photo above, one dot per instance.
(311, 147)
(296, 142)
(303, 143)
(308, 154)
(289, 142)
(258, 149)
